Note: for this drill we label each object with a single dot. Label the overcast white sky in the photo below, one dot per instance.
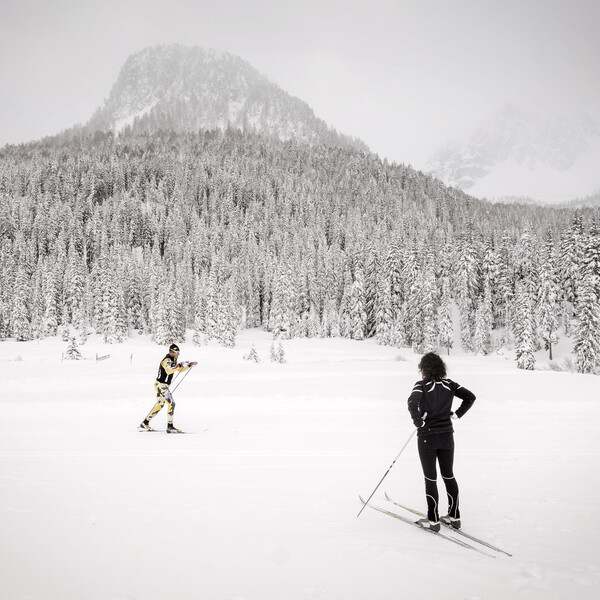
(403, 75)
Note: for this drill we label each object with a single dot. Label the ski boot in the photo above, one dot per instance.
(172, 429)
(451, 522)
(145, 426)
(427, 524)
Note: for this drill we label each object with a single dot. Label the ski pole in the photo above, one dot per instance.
(381, 481)
(184, 376)
(176, 377)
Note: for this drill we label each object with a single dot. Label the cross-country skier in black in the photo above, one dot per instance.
(168, 366)
(430, 407)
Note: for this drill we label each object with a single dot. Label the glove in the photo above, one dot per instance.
(192, 363)
(454, 416)
(179, 365)
(422, 421)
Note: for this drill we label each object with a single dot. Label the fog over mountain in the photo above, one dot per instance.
(529, 155)
(526, 154)
(190, 89)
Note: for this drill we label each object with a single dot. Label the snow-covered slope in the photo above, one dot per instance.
(185, 88)
(259, 500)
(525, 154)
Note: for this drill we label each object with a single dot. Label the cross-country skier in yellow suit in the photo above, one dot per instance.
(168, 366)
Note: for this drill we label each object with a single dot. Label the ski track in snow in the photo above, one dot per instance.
(259, 502)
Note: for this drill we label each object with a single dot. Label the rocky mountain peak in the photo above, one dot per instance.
(521, 153)
(184, 88)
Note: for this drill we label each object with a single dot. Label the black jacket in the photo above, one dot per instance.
(435, 398)
(168, 366)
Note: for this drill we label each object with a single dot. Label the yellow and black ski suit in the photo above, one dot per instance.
(168, 366)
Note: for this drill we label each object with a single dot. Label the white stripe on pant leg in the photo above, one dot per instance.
(451, 503)
(435, 504)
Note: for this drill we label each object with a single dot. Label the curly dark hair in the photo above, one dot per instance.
(432, 366)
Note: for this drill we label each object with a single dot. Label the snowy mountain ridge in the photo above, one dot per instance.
(187, 89)
(519, 153)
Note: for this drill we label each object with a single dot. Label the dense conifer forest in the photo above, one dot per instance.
(211, 232)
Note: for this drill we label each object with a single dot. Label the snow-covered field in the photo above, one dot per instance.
(259, 500)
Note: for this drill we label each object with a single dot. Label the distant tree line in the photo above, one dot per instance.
(218, 231)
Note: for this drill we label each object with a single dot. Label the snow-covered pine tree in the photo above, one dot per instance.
(372, 277)
(51, 320)
(266, 292)
(95, 302)
(570, 260)
(421, 308)
(357, 314)
(7, 265)
(213, 301)
(591, 257)
(394, 275)
(198, 337)
(227, 316)
(104, 297)
(525, 259)
(37, 304)
(176, 315)
(491, 277)
(523, 328)
(413, 309)
(160, 318)
(72, 352)
(74, 289)
(2, 320)
(466, 284)
(330, 322)
(546, 308)
(122, 326)
(313, 324)
(280, 317)
(429, 308)
(587, 330)
(407, 313)
(252, 356)
(504, 298)
(134, 298)
(299, 301)
(385, 316)
(199, 307)
(345, 320)
(587, 316)
(398, 334)
(114, 316)
(251, 282)
(281, 354)
(446, 322)
(277, 353)
(84, 334)
(482, 337)
(21, 325)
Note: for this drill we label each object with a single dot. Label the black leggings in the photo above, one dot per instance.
(439, 447)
